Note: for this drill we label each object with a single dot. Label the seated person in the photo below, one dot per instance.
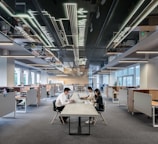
(62, 100)
(90, 96)
(98, 103)
(98, 100)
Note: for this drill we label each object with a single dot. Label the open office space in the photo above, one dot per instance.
(48, 45)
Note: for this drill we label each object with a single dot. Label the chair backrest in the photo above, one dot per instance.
(54, 106)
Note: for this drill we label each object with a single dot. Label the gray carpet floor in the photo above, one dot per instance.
(34, 128)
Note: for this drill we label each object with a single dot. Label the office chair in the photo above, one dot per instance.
(101, 115)
(57, 113)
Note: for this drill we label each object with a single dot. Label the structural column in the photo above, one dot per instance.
(148, 74)
(7, 72)
(44, 77)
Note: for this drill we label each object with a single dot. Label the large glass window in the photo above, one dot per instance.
(131, 70)
(38, 78)
(137, 73)
(129, 76)
(25, 77)
(32, 78)
(17, 76)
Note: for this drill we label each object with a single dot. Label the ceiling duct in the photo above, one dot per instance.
(149, 43)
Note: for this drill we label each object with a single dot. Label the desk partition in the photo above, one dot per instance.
(7, 104)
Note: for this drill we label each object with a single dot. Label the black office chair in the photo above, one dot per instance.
(57, 113)
(100, 113)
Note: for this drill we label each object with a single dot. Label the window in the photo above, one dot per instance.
(17, 76)
(129, 76)
(38, 78)
(32, 78)
(25, 77)
(137, 75)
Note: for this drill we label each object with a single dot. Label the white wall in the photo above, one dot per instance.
(143, 75)
(149, 75)
(7, 71)
(112, 79)
(153, 74)
(44, 77)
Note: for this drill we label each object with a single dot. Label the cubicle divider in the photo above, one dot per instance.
(122, 97)
(143, 103)
(43, 93)
(31, 97)
(110, 92)
(7, 104)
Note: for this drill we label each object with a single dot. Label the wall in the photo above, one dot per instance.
(153, 74)
(112, 79)
(143, 75)
(7, 71)
(149, 74)
(70, 80)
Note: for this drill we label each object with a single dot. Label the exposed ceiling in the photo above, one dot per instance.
(70, 35)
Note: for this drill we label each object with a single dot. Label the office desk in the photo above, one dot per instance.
(80, 110)
(154, 106)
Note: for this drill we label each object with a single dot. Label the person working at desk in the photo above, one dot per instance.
(90, 96)
(98, 103)
(62, 100)
(98, 100)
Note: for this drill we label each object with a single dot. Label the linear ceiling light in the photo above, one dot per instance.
(138, 21)
(147, 52)
(133, 61)
(126, 21)
(111, 68)
(61, 75)
(18, 56)
(112, 53)
(39, 65)
(6, 43)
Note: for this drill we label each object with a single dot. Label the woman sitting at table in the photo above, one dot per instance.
(98, 103)
(98, 100)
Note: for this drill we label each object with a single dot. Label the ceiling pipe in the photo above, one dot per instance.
(126, 21)
(152, 7)
(53, 32)
(72, 15)
(145, 44)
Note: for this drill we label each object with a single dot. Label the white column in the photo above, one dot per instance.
(44, 77)
(21, 76)
(143, 75)
(29, 77)
(149, 75)
(7, 71)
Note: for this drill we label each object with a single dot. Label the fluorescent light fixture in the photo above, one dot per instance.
(147, 52)
(43, 65)
(126, 21)
(6, 43)
(133, 61)
(61, 75)
(18, 56)
(111, 68)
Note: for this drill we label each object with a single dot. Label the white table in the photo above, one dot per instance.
(80, 110)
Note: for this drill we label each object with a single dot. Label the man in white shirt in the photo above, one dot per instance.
(62, 100)
(90, 96)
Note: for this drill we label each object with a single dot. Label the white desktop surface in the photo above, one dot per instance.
(79, 109)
